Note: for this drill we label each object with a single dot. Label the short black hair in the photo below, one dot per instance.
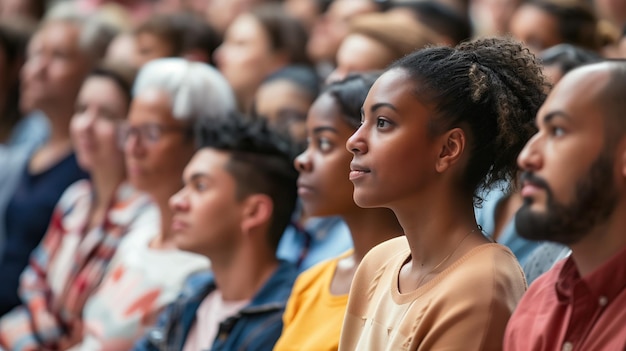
(261, 161)
(492, 88)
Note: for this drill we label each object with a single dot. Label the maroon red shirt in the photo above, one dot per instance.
(563, 311)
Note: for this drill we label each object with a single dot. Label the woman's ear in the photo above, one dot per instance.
(257, 212)
(452, 148)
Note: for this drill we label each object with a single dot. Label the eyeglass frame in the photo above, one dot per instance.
(125, 131)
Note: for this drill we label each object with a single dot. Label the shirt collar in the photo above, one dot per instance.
(606, 282)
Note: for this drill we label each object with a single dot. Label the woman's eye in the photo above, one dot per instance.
(382, 123)
(558, 131)
(325, 145)
(200, 186)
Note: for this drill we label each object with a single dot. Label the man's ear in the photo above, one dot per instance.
(452, 147)
(257, 212)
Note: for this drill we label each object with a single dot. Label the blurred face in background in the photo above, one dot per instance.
(285, 105)
(123, 48)
(221, 13)
(246, 57)
(360, 53)
(534, 27)
(332, 28)
(55, 68)
(100, 107)
(492, 17)
(150, 46)
(157, 145)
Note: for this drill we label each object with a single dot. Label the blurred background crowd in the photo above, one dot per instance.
(97, 103)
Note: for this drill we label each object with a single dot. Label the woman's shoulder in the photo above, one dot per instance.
(384, 254)
(488, 265)
(77, 191)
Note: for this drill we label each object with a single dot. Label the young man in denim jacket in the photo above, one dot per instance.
(238, 196)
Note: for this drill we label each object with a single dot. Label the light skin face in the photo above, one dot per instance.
(330, 30)
(156, 167)
(323, 184)
(100, 106)
(245, 58)
(123, 48)
(359, 53)
(207, 215)
(394, 154)
(150, 47)
(535, 28)
(562, 156)
(222, 13)
(55, 68)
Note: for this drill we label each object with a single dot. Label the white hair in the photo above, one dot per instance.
(197, 90)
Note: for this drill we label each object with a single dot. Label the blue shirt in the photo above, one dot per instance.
(27, 217)
(320, 239)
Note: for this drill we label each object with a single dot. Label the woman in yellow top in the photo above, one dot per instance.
(316, 307)
(438, 126)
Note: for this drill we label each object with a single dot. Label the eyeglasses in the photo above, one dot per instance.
(149, 133)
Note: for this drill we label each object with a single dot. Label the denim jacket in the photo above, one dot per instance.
(255, 327)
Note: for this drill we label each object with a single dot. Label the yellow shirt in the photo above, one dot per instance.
(465, 307)
(313, 317)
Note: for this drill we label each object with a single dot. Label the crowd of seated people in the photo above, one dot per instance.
(312, 175)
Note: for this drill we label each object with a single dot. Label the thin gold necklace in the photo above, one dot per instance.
(419, 283)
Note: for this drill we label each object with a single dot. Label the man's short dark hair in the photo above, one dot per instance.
(261, 161)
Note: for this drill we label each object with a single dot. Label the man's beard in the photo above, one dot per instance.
(595, 199)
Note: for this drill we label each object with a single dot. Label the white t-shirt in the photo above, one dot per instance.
(212, 311)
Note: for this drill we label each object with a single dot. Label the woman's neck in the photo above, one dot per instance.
(105, 182)
(435, 223)
(370, 227)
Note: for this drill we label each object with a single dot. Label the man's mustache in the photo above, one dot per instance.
(530, 178)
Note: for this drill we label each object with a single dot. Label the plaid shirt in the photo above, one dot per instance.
(68, 265)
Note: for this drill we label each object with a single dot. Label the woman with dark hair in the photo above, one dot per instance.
(89, 221)
(317, 304)
(437, 127)
(257, 44)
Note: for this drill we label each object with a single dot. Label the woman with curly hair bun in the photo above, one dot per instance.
(438, 127)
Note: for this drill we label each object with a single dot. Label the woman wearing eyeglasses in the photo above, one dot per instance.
(148, 272)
